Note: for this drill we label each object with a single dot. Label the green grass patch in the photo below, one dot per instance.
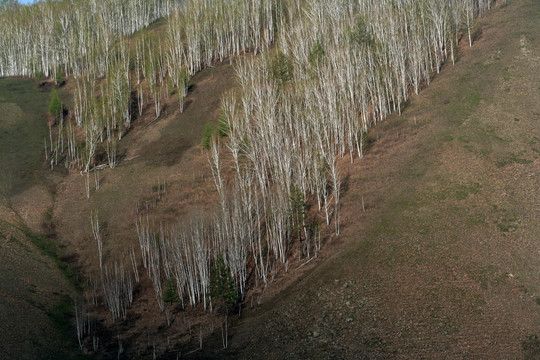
(464, 190)
(48, 247)
(394, 122)
(14, 240)
(480, 66)
(483, 136)
(506, 73)
(506, 226)
(507, 222)
(534, 140)
(158, 187)
(458, 191)
(462, 105)
(477, 220)
(61, 315)
(446, 138)
(23, 128)
(511, 159)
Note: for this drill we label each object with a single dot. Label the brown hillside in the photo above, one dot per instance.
(439, 251)
(444, 262)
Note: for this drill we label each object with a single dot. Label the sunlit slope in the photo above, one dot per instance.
(443, 263)
(297, 110)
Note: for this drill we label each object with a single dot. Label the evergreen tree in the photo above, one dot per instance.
(208, 132)
(222, 287)
(55, 105)
(282, 68)
(360, 33)
(223, 126)
(297, 211)
(59, 79)
(171, 295)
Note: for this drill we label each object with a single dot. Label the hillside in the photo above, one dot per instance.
(35, 295)
(443, 264)
(352, 217)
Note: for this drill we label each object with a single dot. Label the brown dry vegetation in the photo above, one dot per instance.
(164, 174)
(154, 152)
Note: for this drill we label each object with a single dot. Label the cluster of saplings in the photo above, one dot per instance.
(335, 68)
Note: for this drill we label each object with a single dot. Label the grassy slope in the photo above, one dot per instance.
(444, 262)
(22, 130)
(154, 152)
(424, 271)
(34, 301)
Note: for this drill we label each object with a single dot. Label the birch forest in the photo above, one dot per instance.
(312, 77)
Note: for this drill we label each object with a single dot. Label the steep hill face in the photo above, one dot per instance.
(443, 262)
(35, 297)
(35, 300)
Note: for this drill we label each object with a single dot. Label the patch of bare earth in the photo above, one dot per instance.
(444, 261)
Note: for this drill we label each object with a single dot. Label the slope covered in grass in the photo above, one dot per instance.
(35, 296)
(22, 131)
(35, 300)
